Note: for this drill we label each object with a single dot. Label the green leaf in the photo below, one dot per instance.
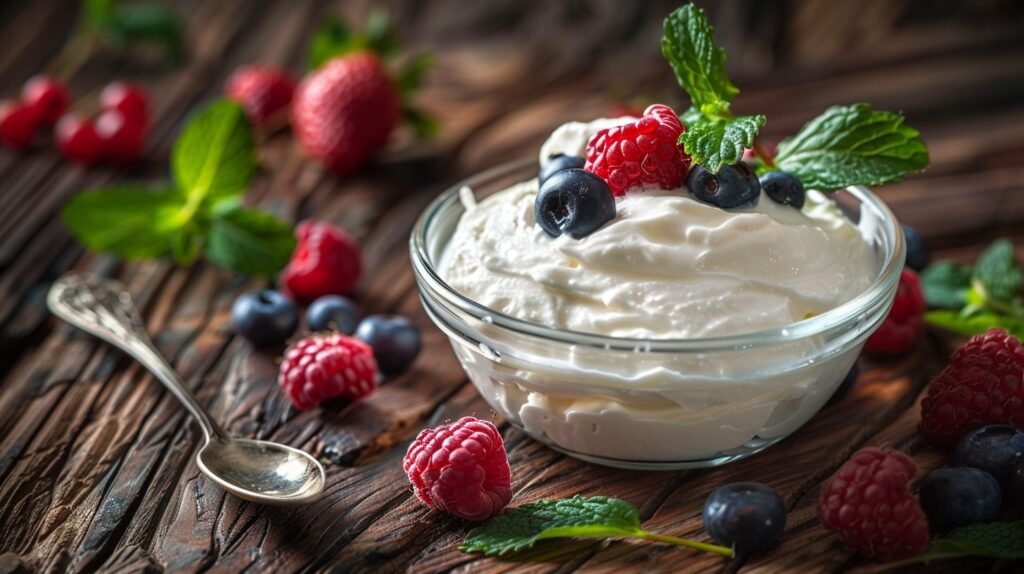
(699, 64)
(130, 222)
(187, 243)
(98, 13)
(379, 36)
(424, 124)
(852, 145)
(946, 284)
(975, 323)
(576, 517)
(215, 155)
(410, 77)
(250, 242)
(999, 540)
(332, 39)
(713, 142)
(691, 116)
(145, 22)
(998, 273)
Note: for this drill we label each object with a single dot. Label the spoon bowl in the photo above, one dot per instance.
(262, 471)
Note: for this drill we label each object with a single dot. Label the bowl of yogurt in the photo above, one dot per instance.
(678, 334)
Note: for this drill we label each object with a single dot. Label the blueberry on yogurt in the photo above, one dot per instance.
(783, 187)
(734, 185)
(573, 201)
(557, 163)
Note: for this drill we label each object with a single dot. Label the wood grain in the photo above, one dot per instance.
(96, 460)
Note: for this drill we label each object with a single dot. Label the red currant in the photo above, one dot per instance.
(18, 124)
(129, 99)
(122, 136)
(78, 141)
(47, 96)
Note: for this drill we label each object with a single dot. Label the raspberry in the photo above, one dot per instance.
(461, 468)
(904, 324)
(322, 367)
(638, 153)
(128, 99)
(123, 136)
(868, 503)
(325, 262)
(78, 140)
(18, 124)
(981, 385)
(47, 97)
(263, 91)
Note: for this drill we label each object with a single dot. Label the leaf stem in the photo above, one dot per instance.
(762, 153)
(702, 546)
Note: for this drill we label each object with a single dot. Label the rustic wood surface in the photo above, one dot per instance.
(96, 460)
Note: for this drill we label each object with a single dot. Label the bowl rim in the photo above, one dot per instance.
(852, 310)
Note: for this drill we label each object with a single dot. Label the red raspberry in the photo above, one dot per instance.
(326, 262)
(18, 124)
(903, 326)
(982, 385)
(642, 152)
(263, 91)
(78, 141)
(868, 503)
(122, 136)
(47, 97)
(128, 99)
(461, 468)
(322, 367)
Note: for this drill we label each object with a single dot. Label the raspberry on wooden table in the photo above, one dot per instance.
(641, 152)
(983, 384)
(322, 367)
(326, 261)
(868, 503)
(461, 468)
(904, 325)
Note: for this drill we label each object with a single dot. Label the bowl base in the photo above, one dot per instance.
(749, 448)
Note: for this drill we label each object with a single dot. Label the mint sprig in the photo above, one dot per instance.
(213, 161)
(999, 540)
(998, 277)
(577, 517)
(846, 145)
(946, 284)
(852, 145)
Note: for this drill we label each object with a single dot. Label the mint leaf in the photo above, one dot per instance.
(691, 116)
(187, 243)
(215, 155)
(250, 242)
(998, 273)
(1000, 540)
(852, 145)
(699, 64)
(577, 517)
(975, 323)
(332, 39)
(130, 222)
(946, 284)
(713, 142)
(144, 23)
(410, 77)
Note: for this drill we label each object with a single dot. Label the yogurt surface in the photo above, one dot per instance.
(668, 266)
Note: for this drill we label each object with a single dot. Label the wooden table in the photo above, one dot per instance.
(96, 459)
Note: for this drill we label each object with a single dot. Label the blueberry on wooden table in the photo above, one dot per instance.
(265, 318)
(734, 185)
(918, 255)
(333, 313)
(748, 516)
(394, 339)
(573, 201)
(954, 497)
(992, 448)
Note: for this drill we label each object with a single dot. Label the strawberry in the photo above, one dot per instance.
(264, 92)
(344, 112)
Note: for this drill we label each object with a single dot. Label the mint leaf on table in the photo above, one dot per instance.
(975, 323)
(998, 273)
(999, 540)
(852, 145)
(333, 38)
(250, 242)
(699, 64)
(215, 156)
(577, 517)
(130, 222)
(946, 284)
(124, 25)
(713, 142)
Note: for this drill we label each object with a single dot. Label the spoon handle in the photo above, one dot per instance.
(104, 308)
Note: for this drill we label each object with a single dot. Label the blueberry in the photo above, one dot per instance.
(992, 448)
(953, 497)
(394, 339)
(846, 385)
(917, 251)
(734, 185)
(265, 318)
(573, 201)
(1016, 485)
(784, 188)
(557, 163)
(333, 312)
(748, 516)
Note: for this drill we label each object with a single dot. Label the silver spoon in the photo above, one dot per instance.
(256, 470)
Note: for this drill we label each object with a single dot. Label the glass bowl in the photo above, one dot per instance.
(652, 403)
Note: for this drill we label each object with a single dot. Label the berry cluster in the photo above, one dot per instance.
(345, 353)
(117, 134)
